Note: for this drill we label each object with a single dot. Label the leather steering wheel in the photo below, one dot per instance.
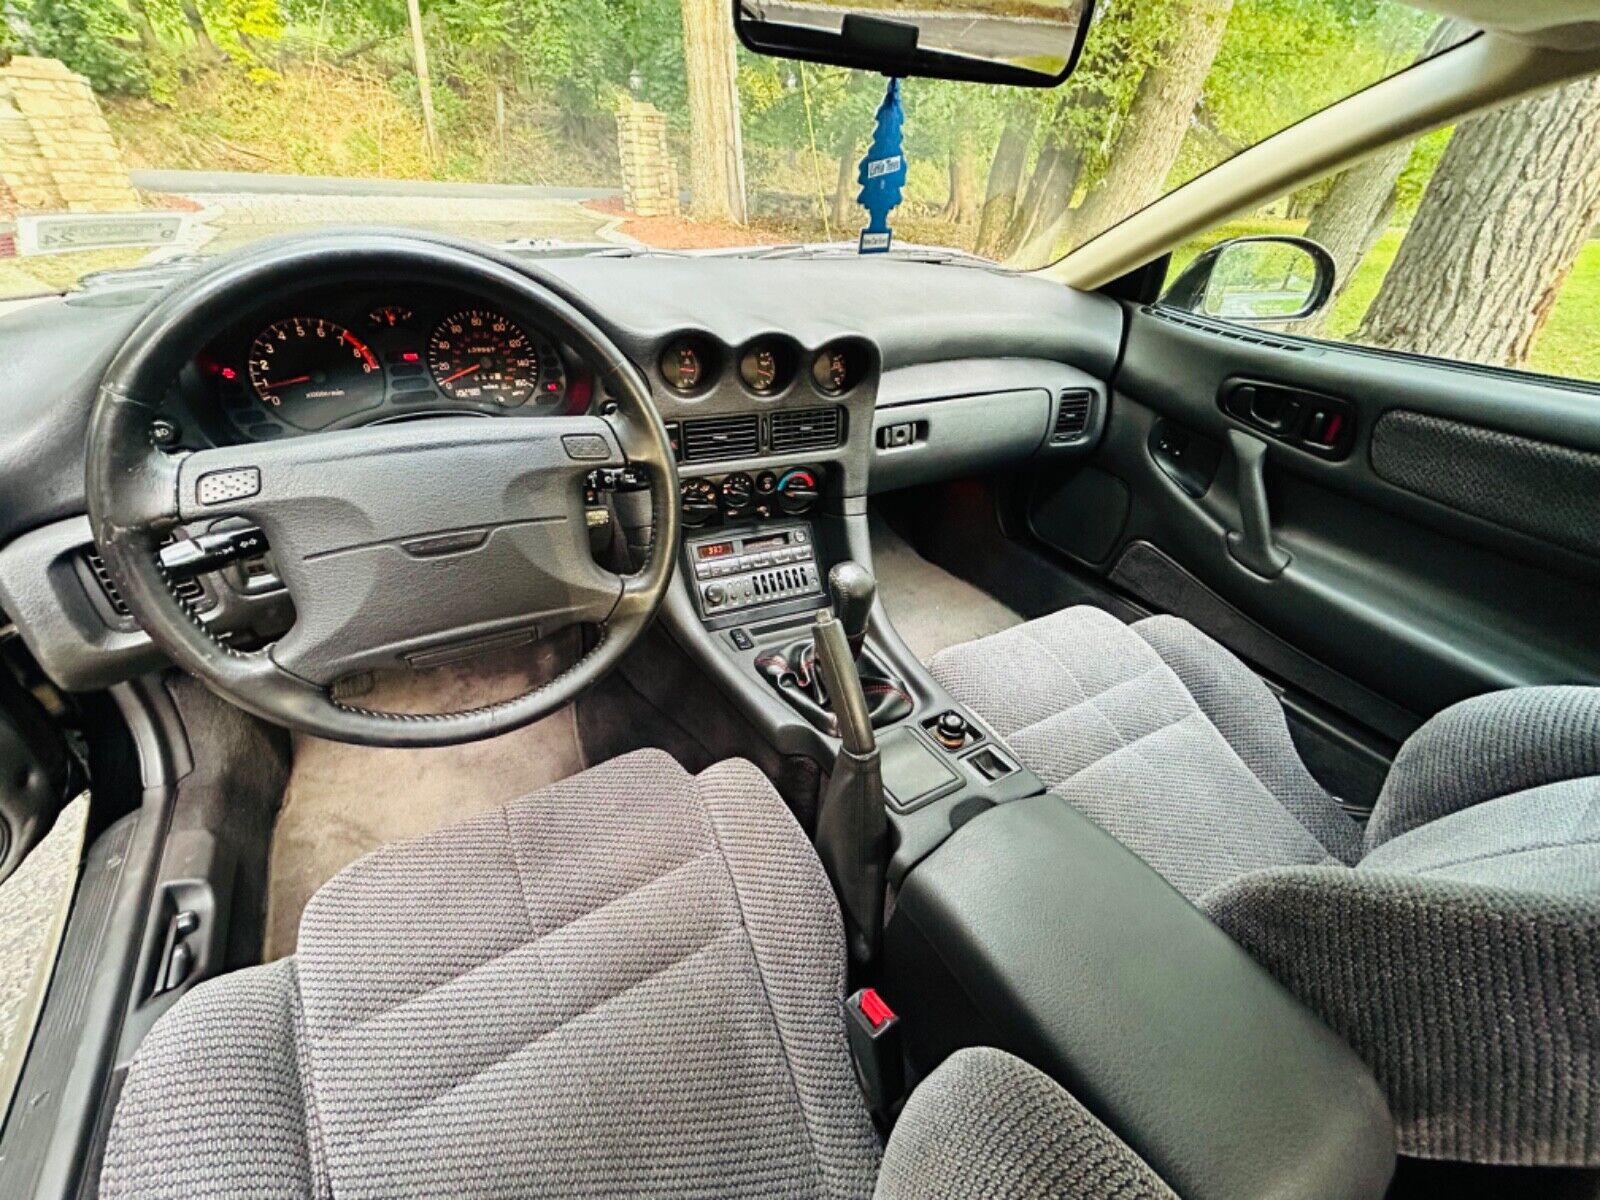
(392, 539)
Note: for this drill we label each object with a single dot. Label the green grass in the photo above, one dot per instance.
(1568, 345)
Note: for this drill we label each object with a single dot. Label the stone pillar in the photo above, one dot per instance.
(649, 174)
(56, 150)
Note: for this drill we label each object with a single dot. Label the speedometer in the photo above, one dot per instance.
(312, 371)
(477, 354)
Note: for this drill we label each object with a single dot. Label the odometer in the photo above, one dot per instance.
(312, 371)
(481, 355)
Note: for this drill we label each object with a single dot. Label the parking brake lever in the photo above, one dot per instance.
(852, 827)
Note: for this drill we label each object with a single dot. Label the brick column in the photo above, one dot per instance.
(56, 150)
(649, 174)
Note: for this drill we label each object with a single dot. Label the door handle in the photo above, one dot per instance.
(1252, 547)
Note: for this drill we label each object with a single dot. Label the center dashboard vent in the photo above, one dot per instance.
(710, 438)
(1072, 415)
(807, 429)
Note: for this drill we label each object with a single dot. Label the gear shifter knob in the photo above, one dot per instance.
(853, 590)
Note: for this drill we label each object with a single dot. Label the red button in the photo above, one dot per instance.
(874, 1008)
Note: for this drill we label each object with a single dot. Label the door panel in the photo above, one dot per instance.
(1442, 541)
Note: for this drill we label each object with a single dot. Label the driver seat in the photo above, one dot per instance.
(627, 984)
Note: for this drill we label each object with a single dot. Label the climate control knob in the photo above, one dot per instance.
(797, 491)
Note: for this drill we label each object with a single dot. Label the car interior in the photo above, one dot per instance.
(804, 726)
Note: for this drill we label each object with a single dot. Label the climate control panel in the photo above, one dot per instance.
(763, 566)
(743, 495)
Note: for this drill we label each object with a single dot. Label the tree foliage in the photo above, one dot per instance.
(94, 37)
(803, 125)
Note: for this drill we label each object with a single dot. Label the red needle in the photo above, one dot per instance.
(271, 387)
(460, 373)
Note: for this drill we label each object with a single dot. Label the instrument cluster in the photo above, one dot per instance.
(336, 360)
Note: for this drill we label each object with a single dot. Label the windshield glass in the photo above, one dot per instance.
(138, 131)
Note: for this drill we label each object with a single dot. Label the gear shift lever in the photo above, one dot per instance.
(853, 589)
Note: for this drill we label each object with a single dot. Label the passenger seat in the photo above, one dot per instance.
(1454, 943)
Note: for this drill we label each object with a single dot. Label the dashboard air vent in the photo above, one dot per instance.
(188, 590)
(807, 429)
(721, 438)
(1072, 415)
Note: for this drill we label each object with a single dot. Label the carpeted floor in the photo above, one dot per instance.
(930, 607)
(34, 903)
(344, 801)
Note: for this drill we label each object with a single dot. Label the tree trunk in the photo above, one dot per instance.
(197, 26)
(149, 41)
(845, 187)
(1044, 213)
(962, 205)
(419, 57)
(1355, 211)
(1302, 203)
(1350, 219)
(716, 155)
(1000, 195)
(1153, 130)
(1513, 200)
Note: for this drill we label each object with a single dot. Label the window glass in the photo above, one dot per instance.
(179, 129)
(1476, 243)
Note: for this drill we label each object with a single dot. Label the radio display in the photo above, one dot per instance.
(714, 550)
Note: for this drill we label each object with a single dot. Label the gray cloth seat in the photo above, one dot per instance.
(1454, 943)
(627, 984)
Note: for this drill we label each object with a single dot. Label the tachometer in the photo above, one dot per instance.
(312, 371)
(477, 354)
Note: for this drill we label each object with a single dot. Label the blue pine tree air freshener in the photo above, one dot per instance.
(882, 173)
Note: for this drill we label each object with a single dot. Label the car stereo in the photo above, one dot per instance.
(741, 570)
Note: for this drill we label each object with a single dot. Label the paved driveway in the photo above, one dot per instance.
(239, 208)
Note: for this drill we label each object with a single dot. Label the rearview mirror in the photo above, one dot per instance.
(1030, 43)
(1261, 280)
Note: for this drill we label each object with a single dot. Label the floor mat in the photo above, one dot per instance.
(345, 801)
(930, 607)
(34, 903)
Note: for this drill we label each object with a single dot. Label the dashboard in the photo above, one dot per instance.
(333, 358)
(793, 390)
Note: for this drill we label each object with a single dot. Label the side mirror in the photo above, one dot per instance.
(1261, 280)
(1029, 43)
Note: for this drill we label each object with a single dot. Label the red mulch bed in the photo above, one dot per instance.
(680, 233)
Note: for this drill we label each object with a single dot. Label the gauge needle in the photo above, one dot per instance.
(282, 383)
(463, 371)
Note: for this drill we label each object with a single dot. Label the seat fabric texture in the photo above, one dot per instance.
(1160, 737)
(1455, 943)
(988, 1125)
(628, 983)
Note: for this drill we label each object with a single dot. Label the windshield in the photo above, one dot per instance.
(137, 131)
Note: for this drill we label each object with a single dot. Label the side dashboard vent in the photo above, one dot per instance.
(189, 591)
(807, 429)
(1072, 415)
(711, 438)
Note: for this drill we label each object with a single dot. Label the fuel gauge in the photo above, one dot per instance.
(390, 316)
